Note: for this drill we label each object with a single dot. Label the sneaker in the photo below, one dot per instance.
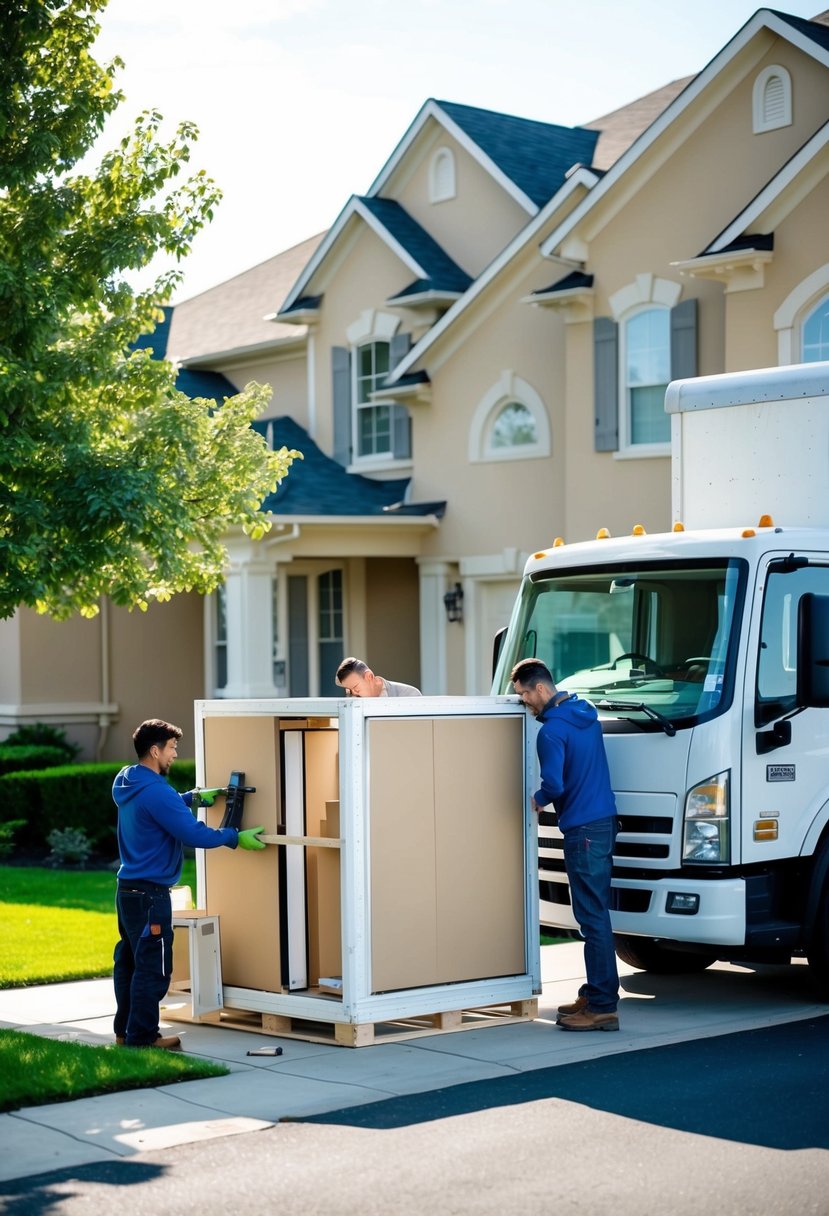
(168, 1043)
(590, 1019)
(566, 1011)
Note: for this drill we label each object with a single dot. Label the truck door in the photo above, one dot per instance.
(784, 787)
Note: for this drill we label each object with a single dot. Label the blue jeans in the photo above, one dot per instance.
(143, 959)
(588, 853)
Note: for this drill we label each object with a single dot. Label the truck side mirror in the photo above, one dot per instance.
(813, 651)
(497, 645)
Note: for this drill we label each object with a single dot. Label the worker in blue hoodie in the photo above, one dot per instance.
(576, 780)
(154, 823)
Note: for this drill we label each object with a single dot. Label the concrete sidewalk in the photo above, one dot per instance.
(313, 1078)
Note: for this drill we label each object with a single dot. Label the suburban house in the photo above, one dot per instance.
(473, 360)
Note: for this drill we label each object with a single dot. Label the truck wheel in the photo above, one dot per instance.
(818, 951)
(648, 955)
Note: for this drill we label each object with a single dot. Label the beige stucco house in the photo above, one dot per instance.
(473, 359)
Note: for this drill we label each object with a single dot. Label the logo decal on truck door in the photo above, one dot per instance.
(780, 772)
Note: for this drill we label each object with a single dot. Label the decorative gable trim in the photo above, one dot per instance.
(762, 19)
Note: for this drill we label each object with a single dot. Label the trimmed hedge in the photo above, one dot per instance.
(18, 757)
(72, 796)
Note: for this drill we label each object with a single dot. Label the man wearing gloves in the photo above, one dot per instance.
(575, 778)
(154, 823)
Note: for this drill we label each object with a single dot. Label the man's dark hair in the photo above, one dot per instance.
(530, 672)
(154, 732)
(349, 667)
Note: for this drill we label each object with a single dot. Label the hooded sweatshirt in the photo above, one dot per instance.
(571, 756)
(154, 822)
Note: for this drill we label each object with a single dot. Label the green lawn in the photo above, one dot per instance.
(58, 925)
(35, 1070)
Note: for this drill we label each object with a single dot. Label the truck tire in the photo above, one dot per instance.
(648, 955)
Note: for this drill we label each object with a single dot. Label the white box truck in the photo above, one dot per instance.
(706, 651)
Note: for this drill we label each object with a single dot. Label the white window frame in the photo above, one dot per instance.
(626, 444)
(371, 326)
(360, 407)
(509, 389)
(790, 316)
(761, 122)
(645, 291)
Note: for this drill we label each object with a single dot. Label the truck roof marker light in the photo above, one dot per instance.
(638, 530)
(603, 534)
(765, 521)
(541, 553)
(558, 542)
(679, 526)
(747, 532)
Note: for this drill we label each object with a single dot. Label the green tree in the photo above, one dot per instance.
(111, 481)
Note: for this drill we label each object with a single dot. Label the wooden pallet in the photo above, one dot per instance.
(363, 1034)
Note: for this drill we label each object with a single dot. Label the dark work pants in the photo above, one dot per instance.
(143, 959)
(588, 860)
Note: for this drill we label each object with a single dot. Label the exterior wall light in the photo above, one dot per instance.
(453, 603)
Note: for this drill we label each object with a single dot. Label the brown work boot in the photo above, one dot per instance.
(566, 1011)
(590, 1019)
(168, 1043)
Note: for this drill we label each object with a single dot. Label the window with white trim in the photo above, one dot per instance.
(815, 333)
(772, 100)
(510, 422)
(220, 644)
(372, 423)
(645, 354)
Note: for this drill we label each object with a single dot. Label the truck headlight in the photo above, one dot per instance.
(707, 816)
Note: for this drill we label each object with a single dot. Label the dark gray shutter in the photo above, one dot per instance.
(684, 340)
(401, 423)
(606, 383)
(341, 399)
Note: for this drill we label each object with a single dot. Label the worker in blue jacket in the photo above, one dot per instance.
(576, 780)
(154, 823)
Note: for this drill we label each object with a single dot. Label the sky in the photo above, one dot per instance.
(300, 103)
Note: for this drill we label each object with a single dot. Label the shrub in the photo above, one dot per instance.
(17, 758)
(41, 734)
(69, 846)
(7, 831)
(72, 796)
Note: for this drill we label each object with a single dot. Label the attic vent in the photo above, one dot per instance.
(772, 100)
(442, 176)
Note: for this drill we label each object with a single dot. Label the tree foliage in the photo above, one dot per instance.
(111, 481)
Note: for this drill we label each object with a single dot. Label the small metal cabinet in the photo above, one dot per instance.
(401, 845)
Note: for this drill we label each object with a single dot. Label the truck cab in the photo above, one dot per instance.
(706, 653)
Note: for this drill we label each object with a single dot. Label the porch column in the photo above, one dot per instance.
(434, 582)
(249, 625)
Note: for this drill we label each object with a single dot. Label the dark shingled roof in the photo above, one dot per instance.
(576, 278)
(303, 304)
(442, 274)
(318, 485)
(818, 31)
(534, 155)
(211, 385)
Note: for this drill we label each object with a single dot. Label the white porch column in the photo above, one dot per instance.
(434, 581)
(249, 624)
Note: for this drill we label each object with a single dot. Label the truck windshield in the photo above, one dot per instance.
(657, 635)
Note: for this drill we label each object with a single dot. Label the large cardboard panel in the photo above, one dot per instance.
(329, 917)
(242, 888)
(402, 835)
(479, 851)
(322, 784)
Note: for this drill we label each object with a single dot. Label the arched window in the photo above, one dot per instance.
(442, 176)
(815, 333)
(772, 100)
(510, 423)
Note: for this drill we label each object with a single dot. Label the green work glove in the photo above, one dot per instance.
(206, 797)
(249, 838)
